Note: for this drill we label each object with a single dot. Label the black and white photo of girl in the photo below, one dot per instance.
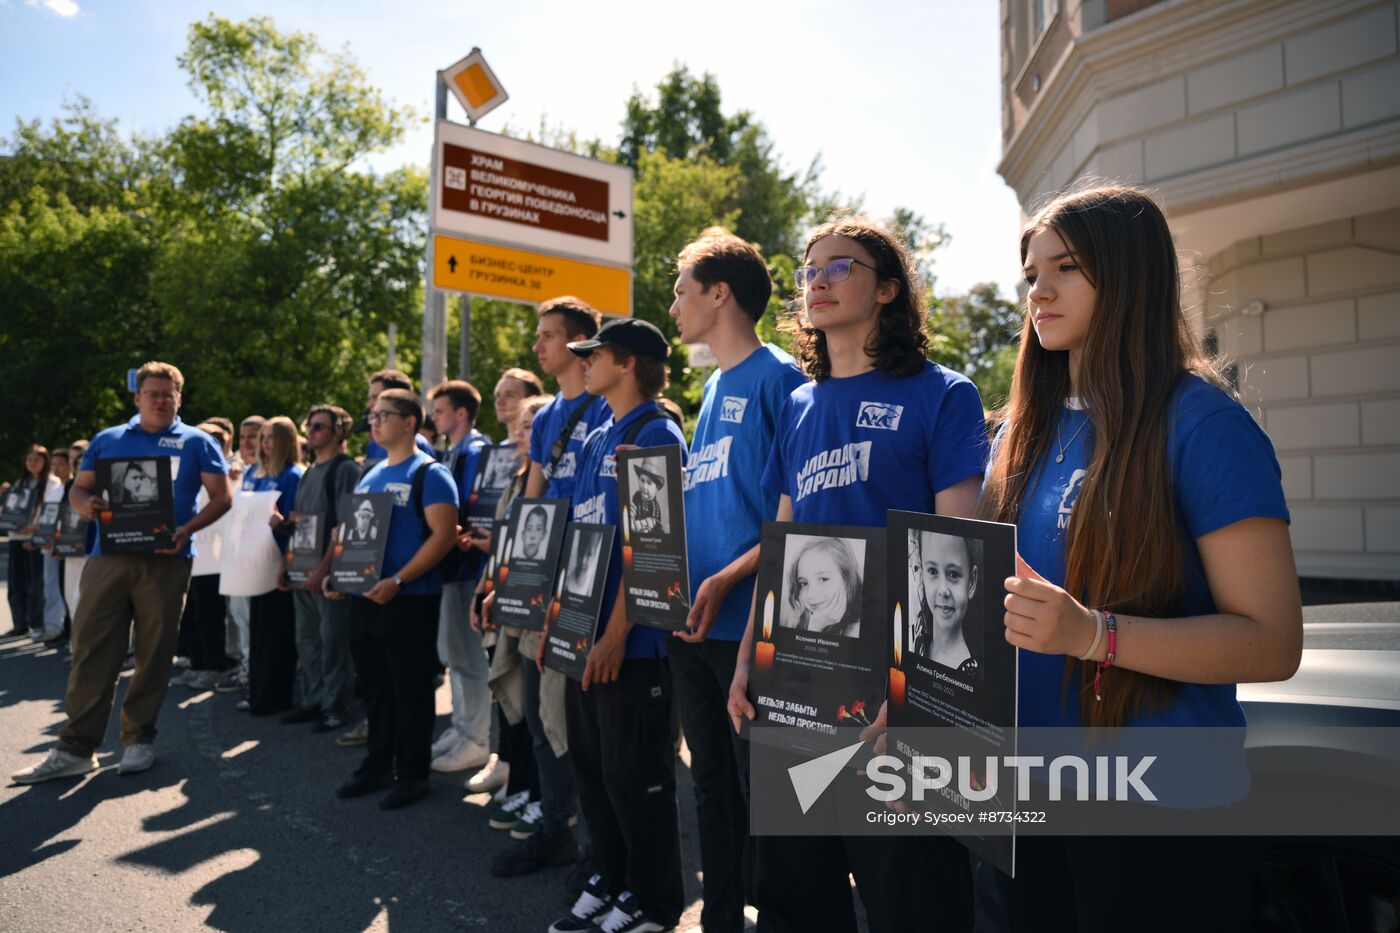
(583, 562)
(945, 596)
(134, 483)
(822, 585)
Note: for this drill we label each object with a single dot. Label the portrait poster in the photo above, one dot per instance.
(47, 524)
(655, 572)
(950, 665)
(578, 597)
(140, 513)
(18, 507)
(70, 537)
(820, 644)
(304, 551)
(358, 558)
(496, 466)
(495, 555)
(527, 574)
(251, 557)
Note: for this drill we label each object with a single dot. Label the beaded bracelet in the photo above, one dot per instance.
(1111, 624)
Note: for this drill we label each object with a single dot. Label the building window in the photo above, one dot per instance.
(1041, 13)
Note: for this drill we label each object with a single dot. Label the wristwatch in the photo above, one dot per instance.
(398, 581)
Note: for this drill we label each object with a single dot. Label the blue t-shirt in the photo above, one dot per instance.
(191, 451)
(545, 429)
(595, 503)
(374, 453)
(406, 532)
(1223, 471)
(460, 461)
(285, 484)
(724, 508)
(848, 449)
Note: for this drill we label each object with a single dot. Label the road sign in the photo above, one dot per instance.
(474, 85)
(131, 379)
(523, 275)
(520, 194)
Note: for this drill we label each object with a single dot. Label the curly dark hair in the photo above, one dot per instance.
(898, 345)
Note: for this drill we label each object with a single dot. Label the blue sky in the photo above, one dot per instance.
(900, 100)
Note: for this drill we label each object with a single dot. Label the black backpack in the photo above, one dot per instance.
(451, 565)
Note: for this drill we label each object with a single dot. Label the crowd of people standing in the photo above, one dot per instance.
(1199, 578)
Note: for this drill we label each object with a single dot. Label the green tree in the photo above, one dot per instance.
(989, 327)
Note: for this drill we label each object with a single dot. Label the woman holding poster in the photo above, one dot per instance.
(1157, 568)
(879, 427)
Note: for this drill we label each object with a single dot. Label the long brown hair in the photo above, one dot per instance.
(286, 446)
(898, 344)
(1123, 550)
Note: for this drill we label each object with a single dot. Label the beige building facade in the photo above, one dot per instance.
(1270, 129)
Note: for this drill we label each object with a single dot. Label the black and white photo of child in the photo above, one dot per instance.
(304, 536)
(362, 528)
(502, 463)
(945, 585)
(134, 482)
(583, 562)
(649, 508)
(531, 535)
(822, 585)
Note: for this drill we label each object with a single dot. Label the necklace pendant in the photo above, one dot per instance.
(1060, 458)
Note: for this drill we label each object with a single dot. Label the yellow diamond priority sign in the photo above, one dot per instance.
(475, 85)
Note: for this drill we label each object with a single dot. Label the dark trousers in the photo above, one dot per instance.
(272, 652)
(624, 757)
(800, 883)
(702, 674)
(203, 624)
(515, 747)
(1088, 884)
(26, 588)
(557, 797)
(395, 651)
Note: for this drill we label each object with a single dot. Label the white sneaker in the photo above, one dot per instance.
(449, 738)
(494, 776)
(57, 764)
(462, 756)
(137, 758)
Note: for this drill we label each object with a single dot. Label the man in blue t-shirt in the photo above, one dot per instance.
(142, 594)
(378, 382)
(394, 625)
(619, 716)
(722, 290)
(467, 741)
(557, 434)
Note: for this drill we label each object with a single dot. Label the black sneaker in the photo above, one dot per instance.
(361, 783)
(403, 793)
(626, 916)
(591, 904)
(297, 716)
(541, 850)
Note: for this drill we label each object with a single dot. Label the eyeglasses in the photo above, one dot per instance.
(838, 270)
(316, 426)
(160, 396)
(375, 417)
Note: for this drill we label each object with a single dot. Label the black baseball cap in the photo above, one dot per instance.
(641, 337)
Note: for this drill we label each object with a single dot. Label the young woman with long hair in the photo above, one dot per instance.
(26, 578)
(1144, 495)
(272, 661)
(879, 427)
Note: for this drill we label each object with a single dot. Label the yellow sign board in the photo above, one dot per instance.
(521, 275)
(475, 85)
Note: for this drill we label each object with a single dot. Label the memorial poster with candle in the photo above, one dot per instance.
(820, 642)
(48, 524)
(950, 665)
(140, 513)
(578, 598)
(70, 537)
(361, 539)
(496, 466)
(655, 572)
(536, 538)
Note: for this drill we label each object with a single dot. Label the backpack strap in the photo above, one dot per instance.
(635, 428)
(336, 462)
(556, 452)
(420, 476)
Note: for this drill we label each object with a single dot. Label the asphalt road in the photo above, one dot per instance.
(237, 828)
